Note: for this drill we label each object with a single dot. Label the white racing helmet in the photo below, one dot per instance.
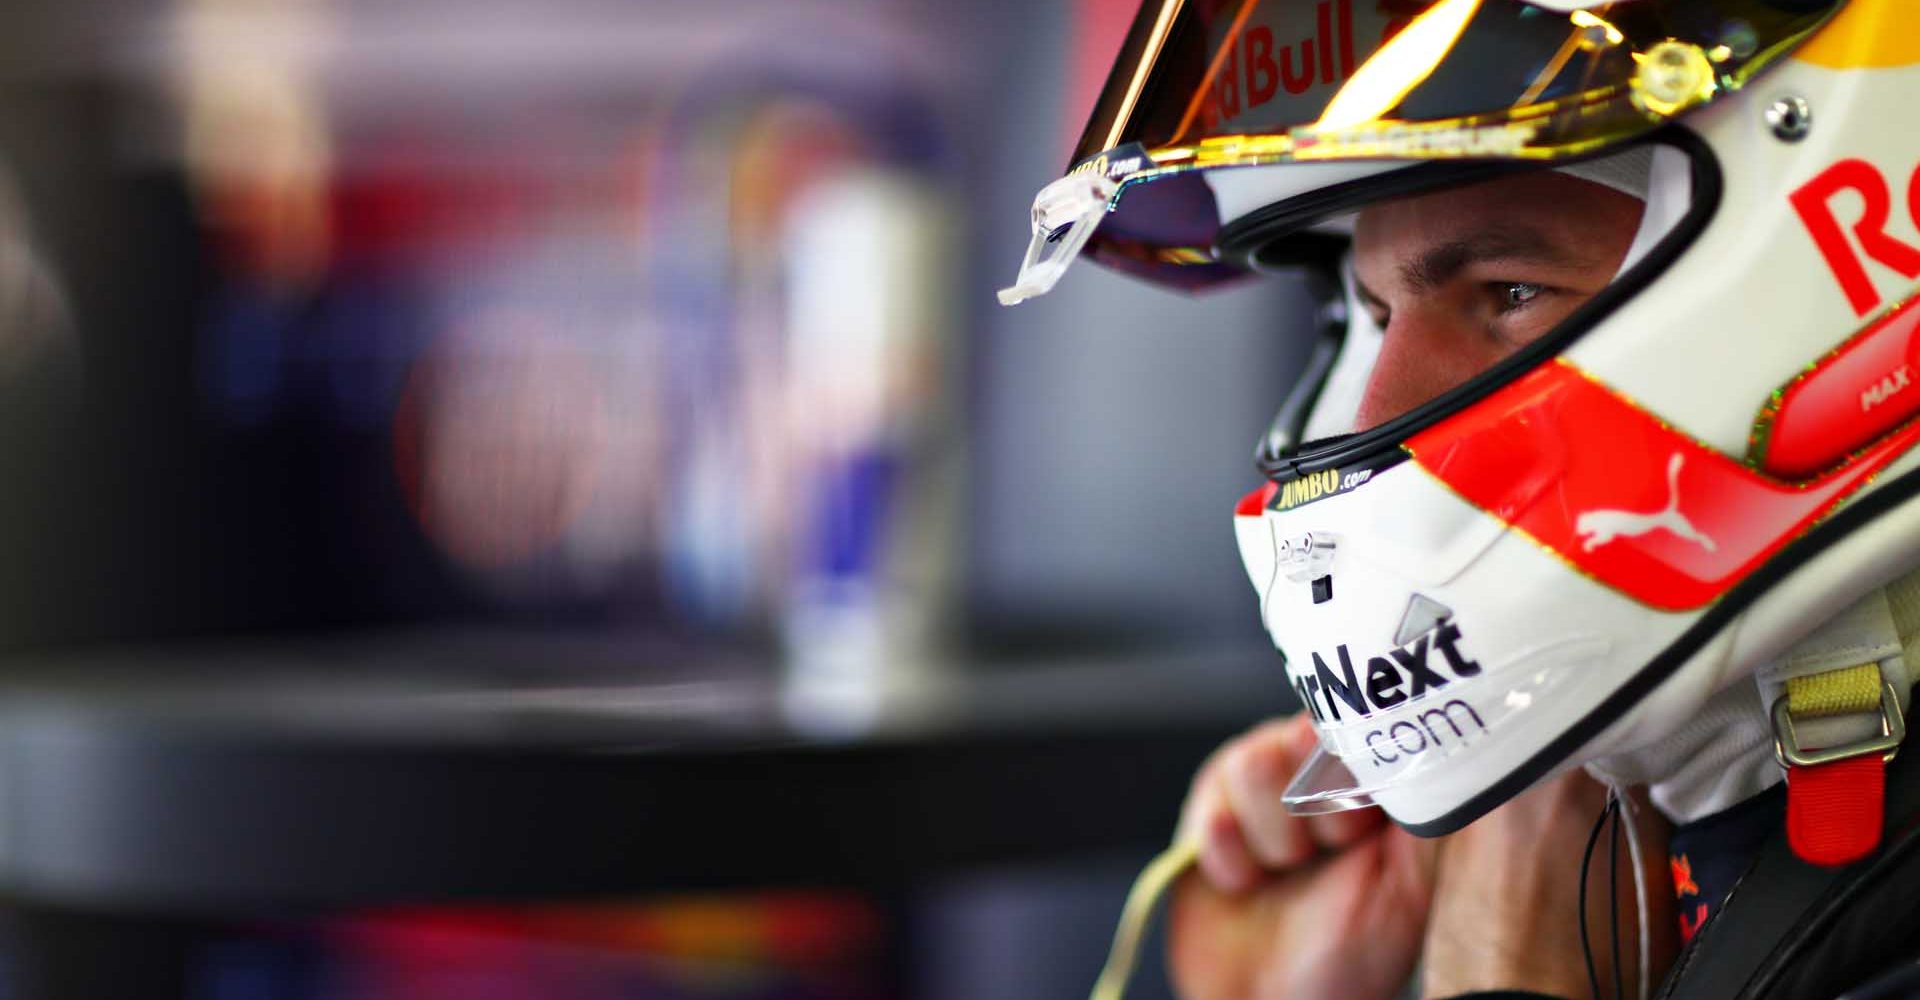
(1567, 556)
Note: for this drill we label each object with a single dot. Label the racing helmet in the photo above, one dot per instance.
(1568, 555)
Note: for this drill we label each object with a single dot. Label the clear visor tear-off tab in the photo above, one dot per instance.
(1065, 215)
(1324, 785)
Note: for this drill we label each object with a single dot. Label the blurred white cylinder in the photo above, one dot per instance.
(875, 443)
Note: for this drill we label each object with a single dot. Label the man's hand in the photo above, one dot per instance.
(1344, 905)
(1329, 907)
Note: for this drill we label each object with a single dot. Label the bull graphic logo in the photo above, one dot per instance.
(1598, 527)
(1683, 883)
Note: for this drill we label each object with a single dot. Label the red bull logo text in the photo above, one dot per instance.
(1256, 67)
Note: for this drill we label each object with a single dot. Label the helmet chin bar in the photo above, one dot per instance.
(1404, 643)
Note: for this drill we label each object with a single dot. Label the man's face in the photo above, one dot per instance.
(1462, 278)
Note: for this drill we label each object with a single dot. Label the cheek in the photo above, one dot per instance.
(1412, 370)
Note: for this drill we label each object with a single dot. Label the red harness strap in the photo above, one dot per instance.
(1834, 811)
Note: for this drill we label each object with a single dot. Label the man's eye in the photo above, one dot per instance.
(1515, 294)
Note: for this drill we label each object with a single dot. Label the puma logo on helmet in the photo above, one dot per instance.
(1598, 527)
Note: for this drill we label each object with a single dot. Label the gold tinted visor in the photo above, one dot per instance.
(1202, 84)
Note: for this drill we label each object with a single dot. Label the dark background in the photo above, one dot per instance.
(212, 440)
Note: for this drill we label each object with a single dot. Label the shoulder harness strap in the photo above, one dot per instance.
(1793, 929)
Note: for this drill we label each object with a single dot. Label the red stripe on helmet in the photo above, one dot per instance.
(1255, 504)
(1623, 497)
(1861, 391)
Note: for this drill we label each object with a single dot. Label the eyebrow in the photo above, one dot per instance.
(1438, 264)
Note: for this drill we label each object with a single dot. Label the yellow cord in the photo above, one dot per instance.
(1153, 883)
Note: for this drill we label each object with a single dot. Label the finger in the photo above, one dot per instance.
(1253, 775)
(1209, 824)
(1224, 858)
(1339, 830)
(1206, 795)
(1211, 819)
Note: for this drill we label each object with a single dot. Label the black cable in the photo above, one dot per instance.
(1586, 866)
(1586, 859)
(1613, 893)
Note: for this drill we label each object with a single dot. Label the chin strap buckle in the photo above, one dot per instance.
(1836, 793)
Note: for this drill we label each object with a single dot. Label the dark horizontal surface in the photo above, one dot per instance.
(463, 765)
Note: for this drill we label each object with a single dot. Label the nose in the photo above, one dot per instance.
(1422, 355)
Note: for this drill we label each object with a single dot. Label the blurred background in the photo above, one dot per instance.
(584, 383)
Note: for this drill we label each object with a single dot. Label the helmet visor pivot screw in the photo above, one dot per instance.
(1790, 118)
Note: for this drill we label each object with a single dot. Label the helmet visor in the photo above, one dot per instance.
(1362, 86)
(1204, 81)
